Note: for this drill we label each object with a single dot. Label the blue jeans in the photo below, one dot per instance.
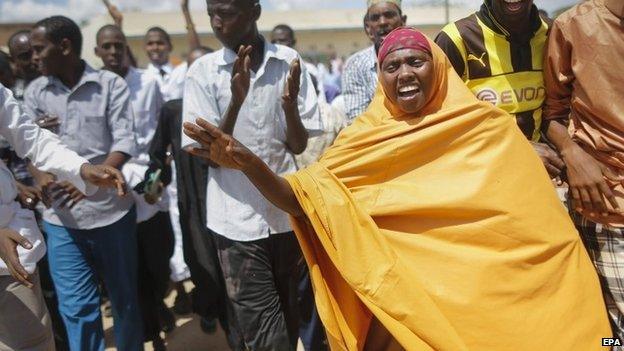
(78, 259)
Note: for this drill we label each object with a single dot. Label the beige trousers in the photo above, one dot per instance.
(24, 320)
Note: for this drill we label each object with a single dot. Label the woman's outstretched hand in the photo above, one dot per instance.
(218, 147)
(225, 151)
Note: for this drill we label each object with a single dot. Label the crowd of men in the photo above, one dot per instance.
(559, 79)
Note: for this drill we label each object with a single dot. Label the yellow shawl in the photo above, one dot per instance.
(446, 228)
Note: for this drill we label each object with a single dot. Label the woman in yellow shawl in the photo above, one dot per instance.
(431, 223)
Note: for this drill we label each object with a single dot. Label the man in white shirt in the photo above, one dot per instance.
(158, 47)
(21, 242)
(241, 93)
(154, 229)
(171, 80)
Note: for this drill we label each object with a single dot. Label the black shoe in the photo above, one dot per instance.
(182, 304)
(158, 344)
(208, 325)
(167, 319)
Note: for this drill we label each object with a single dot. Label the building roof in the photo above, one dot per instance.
(136, 23)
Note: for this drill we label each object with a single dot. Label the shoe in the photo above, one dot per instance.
(182, 304)
(208, 325)
(167, 319)
(158, 344)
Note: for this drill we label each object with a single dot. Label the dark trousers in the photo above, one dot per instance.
(155, 242)
(261, 279)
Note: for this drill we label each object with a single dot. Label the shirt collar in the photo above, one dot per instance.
(167, 67)
(486, 15)
(228, 56)
(90, 75)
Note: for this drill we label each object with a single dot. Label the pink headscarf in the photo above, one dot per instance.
(403, 38)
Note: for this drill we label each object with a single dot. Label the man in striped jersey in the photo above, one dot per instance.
(498, 52)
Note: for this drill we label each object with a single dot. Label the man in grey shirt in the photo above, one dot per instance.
(90, 237)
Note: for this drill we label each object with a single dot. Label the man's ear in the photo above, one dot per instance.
(66, 47)
(404, 18)
(257, 11)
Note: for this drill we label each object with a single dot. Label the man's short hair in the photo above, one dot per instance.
(58, 28)
(398, 8)
(285, 28)
(16, 35)
(5, 62)
(161, 31)
(111, 27)
(249, 3)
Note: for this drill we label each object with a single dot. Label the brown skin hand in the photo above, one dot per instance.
(586, 176)
(226, 151)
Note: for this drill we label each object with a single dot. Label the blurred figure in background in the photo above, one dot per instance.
(359, 79)
(154, 231)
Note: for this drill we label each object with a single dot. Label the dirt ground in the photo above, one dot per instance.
(188, 336)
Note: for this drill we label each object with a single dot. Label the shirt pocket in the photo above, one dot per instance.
(95, 132)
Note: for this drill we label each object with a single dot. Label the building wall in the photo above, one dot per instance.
(317, 45)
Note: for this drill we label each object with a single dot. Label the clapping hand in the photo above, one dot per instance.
(291, 88)
(218, 147)
(241, 76)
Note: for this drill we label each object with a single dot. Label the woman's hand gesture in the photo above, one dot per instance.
(218, 147)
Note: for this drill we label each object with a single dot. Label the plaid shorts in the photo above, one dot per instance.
(605, 246)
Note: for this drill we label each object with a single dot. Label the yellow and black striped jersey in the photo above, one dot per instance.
(500, 68)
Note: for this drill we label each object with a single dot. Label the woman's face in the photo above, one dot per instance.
(407, 76)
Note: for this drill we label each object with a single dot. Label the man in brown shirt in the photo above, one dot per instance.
(585, 110)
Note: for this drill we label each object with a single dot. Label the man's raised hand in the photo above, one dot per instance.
(241, 76)
(293, 82)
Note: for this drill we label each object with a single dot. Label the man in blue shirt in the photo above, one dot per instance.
(88, 237)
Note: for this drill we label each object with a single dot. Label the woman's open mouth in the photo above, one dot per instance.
(408, 92)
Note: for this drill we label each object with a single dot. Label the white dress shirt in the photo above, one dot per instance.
(235, 208)
(169, 79)
(176, 84)
(47, 153)
(146, 100)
